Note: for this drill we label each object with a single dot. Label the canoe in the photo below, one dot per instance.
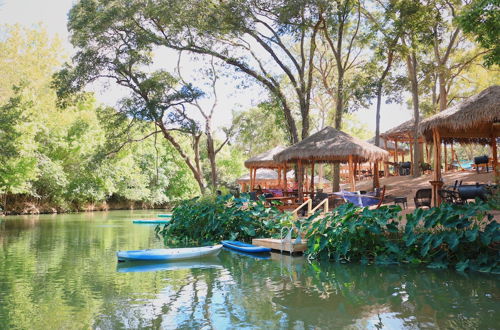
(166, 215)
(155, 222)
(245, 247)
(169, 254)
(145, 266)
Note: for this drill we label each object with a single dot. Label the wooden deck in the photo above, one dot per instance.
(279, 245)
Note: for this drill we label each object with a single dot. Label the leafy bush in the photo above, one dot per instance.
(211, 219)
(466, 237)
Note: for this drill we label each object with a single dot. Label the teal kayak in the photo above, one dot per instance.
(166, 215)
(156, 222)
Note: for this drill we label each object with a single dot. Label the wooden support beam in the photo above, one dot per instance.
(300, 169)
(386, 166)
(494, 152)
(445, 157)
(437, 182)
(411, 158)
(312, 180)
(351, 174)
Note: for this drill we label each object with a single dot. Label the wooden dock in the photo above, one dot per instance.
(279, 245)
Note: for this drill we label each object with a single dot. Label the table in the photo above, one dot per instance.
(401, 200)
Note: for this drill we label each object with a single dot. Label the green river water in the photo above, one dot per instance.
(61, 272)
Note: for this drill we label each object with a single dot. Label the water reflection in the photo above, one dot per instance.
(68, 264)
(138, 266)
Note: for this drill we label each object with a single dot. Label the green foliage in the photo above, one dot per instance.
(464, 237)
(212, 219)
(481, 18)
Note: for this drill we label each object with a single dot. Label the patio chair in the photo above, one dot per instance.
(451, 197)
(364, 200)
(318, 198)
(423, 197)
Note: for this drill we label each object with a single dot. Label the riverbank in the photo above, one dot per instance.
(27, 206)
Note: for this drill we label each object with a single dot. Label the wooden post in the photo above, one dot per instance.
(445, 157)
(436, 182)
(396, 172)
(285, 183)
(411, 156)
(351, 174)
(376, 181)
(496, 170)
(427, 153)
(251, 179)
(386, 166)
(301, 179)
(279, 177)
(254, 176)
(312, 180)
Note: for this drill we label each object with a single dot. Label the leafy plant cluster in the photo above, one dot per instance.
(210, 219)
(462, 236)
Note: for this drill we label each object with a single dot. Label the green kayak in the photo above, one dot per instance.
(166, 215)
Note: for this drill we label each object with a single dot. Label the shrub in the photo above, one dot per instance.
(463, 236)
(210, 219)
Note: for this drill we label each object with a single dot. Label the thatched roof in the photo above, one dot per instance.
(331, 145)
(474, 120)
(265, 159)
(401, 132)
(391, 146)
(264, 174)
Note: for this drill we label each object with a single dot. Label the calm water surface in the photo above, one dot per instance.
(60, 272)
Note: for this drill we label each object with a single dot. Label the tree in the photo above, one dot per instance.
(254, 37)
(343, 31)
(413, 22)
(480, 18)
(17, 161)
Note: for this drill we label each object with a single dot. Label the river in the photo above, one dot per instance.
(61, 272)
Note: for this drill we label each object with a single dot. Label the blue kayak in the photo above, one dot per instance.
(166, 215)
(245, 247)
(154, 222)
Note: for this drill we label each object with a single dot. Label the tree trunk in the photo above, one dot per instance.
(213, 164)
(411, 61)
(339, 109)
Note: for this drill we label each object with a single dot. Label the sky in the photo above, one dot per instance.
(52, 14)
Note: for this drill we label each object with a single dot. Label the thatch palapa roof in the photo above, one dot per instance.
(265, 159)
(402, 132)
(331, 145)
(391, 146)
(475, 120)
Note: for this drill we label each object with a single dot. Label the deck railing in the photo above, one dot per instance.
(310, 209)
(325, 209)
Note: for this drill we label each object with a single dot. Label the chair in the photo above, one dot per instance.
(423, 197)
(253, 196)
(318, 198)
(451, 197)
(364, 200)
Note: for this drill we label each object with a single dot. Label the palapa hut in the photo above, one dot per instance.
(267, 178)
(403, 133)
(266, 160)
(475, 120)
(330, 146)
(395, 150)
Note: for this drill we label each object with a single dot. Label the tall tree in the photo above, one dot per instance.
(414, 21)
(342, 28)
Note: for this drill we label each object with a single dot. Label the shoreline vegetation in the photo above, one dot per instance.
(465, 237)
(30, 206)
